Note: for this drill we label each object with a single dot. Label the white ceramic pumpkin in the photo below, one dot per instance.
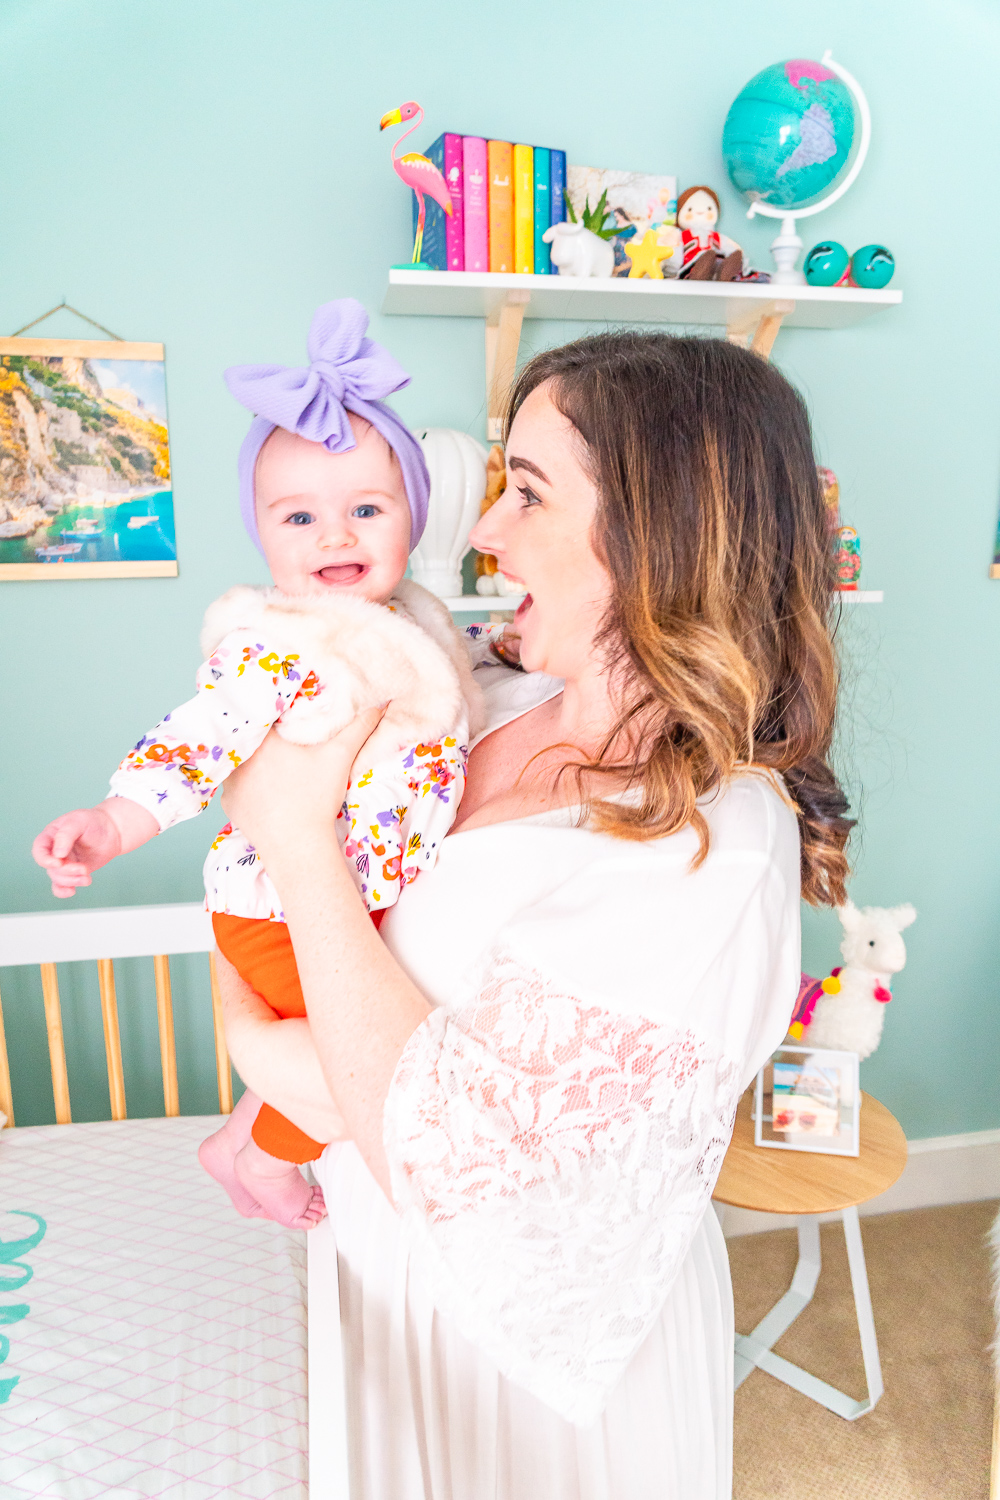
(457, 465)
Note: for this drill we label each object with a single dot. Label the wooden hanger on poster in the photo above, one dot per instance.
(76, 313)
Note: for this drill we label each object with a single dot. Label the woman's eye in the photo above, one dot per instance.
(301, 518)
(365, 512)
(529, 496)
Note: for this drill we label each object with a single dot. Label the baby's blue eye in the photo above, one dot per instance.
(365, 512)
(301, 518)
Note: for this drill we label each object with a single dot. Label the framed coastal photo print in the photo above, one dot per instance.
(808, 1099)
(85, 486)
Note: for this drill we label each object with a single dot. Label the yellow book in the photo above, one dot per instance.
(524, 210)
(501, 205)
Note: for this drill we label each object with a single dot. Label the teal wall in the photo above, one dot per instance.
(207, 173)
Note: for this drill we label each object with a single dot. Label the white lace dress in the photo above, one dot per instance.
(548, 1315)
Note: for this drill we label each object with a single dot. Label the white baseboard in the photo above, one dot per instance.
(941, 1169)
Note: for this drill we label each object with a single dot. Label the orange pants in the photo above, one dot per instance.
(261, 953)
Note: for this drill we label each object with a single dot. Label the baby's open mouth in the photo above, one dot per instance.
(342, 572)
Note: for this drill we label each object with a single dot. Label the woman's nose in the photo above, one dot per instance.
(487, 534)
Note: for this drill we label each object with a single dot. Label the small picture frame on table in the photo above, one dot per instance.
(809, 1099)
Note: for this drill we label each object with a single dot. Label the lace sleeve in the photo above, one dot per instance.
(551, 1159)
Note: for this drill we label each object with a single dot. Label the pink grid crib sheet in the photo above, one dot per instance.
(164, 1353)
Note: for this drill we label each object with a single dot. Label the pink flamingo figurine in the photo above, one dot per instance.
(417, 172)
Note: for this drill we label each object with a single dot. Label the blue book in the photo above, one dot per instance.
(557, 179)
(435, 251)
(543, 211)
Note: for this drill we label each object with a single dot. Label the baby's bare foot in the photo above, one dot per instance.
(279, 1189)
(218, 1153)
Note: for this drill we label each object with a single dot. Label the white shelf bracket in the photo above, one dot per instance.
(503, 335)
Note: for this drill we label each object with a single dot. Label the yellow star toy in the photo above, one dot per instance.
(646, 255)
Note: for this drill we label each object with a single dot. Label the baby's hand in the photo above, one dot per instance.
(82, 841)
(74, 845)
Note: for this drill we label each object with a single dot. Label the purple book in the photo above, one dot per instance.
(454, 227)
(475, 201)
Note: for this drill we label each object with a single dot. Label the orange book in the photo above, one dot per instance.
(524, 210)
(500, 168)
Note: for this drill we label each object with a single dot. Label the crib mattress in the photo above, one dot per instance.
(163, 1352)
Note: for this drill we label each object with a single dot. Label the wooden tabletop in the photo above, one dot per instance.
(806, 1182)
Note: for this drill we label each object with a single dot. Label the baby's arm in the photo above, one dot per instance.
(398, 816)
(80, 842)
(175, 769)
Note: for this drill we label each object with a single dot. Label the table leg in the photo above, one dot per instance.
(751, 1347)
(755, 1350)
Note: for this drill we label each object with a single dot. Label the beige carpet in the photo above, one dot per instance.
(929, 1436)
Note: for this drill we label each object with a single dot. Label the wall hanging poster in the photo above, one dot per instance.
(84, 460)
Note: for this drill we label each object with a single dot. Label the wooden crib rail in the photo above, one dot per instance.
(103, 935)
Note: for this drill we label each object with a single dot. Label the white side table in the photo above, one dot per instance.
(807, 1184)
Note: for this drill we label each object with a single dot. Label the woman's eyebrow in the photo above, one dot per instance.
(525, 463)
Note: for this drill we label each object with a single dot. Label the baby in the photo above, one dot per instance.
(334, 492)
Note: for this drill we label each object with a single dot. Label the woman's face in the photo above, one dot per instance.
(540, 531)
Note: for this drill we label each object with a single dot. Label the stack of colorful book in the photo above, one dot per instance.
(503, 198)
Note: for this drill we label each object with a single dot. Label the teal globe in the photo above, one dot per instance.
(789, 134)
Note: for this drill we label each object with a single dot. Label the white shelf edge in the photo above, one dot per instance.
(466, 604)
(488, 603)
(624, 286)
(481, 294)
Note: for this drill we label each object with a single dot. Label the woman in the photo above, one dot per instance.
(538, 1061)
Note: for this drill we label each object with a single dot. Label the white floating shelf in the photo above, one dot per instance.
(480, 294)
(488, 604)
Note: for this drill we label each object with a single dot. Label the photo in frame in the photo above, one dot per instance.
(85, 488)
(809, 1099)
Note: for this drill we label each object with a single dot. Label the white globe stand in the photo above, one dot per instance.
(787, 245)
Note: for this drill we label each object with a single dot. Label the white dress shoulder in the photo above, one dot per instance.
(548, 1310)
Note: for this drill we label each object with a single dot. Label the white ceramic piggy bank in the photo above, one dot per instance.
(579, 252)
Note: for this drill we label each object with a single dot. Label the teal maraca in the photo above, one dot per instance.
(826, 263)
(872, 266)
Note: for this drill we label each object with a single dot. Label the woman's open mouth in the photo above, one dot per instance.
(342, 572)
(522, 608)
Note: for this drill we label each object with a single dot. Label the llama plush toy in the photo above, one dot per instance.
(847, 1010)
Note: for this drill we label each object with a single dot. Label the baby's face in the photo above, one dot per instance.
(332, 522)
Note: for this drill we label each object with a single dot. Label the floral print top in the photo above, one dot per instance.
(394, 816)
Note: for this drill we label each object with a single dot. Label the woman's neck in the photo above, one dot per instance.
(586, 713)
(514, 772)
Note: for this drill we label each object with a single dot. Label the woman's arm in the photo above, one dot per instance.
(362, 1008)
(277, 1059)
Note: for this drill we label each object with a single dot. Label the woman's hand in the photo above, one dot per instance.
(286, 796)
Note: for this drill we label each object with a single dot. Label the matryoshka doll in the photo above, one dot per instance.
(830, 486)
(848, 559)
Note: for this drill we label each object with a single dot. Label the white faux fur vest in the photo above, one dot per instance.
(363, 654)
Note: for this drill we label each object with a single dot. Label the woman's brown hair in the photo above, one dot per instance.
(712, 525)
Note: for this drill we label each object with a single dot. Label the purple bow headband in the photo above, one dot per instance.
(346, 372)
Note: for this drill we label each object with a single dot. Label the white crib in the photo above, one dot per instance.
(162, 1346)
